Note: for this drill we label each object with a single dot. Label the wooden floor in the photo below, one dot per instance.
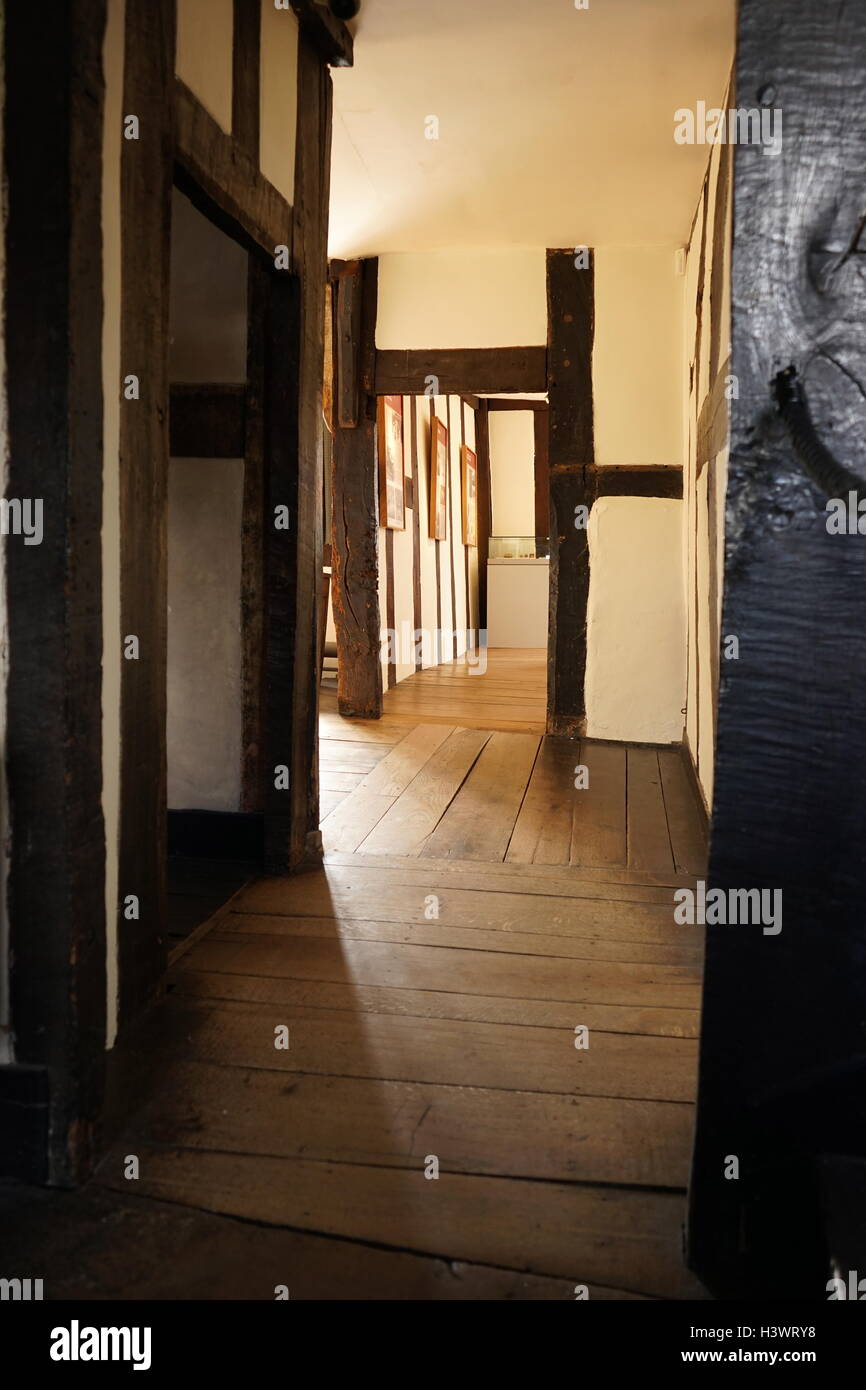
(330, 1042)
(445, 791)
(506, 690)
(364, 1082)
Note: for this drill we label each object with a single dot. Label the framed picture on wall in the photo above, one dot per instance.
(392, 499)
(438, 481)
(469, 475)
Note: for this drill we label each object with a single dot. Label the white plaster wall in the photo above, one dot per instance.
(456, 299)
(203, 718)
(637, 356)
(512, 472)
(279, 97)
(205, 30)
(111, 373)
(635, 673)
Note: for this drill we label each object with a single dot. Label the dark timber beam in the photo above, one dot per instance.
(217, 173)
(207, 420)
(50, 1101)
(783, 1043)
(246, 76)
(355, 538)
(647, 480)
(570, 318)
(146, 170)
(347, 341)
(327, 35)
(259, 280)
(458, 371)
(312, 187)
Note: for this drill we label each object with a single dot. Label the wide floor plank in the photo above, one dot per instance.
(684, 816)
(469, 909)
(428, 1003)
(431, 967)
(467, 938)
(405, 828)
(543, 831)
(618, 1237)
(649, 845)
(599, 825)
(395, 1123)
(480, 819)
(356, 816)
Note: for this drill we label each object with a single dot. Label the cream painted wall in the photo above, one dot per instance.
(205, 30)
(111, 373)
(278, 97)
(512, 472)
(637, 356)
(635, 673)
(454, 299)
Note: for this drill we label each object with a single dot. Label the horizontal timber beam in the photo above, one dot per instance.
(646, 480)
(456, 371)
(207, 420)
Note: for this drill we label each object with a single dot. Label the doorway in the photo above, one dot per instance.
(213, 825)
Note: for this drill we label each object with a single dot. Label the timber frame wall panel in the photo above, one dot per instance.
(50, 1098)
(782, 1078)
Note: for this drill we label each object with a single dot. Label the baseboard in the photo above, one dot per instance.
(217, 835)
(24, 1123)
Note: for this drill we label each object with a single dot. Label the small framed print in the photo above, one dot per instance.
(392, 499)
(469, 472)
(438, 481)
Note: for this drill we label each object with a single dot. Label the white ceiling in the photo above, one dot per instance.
(556, 124)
